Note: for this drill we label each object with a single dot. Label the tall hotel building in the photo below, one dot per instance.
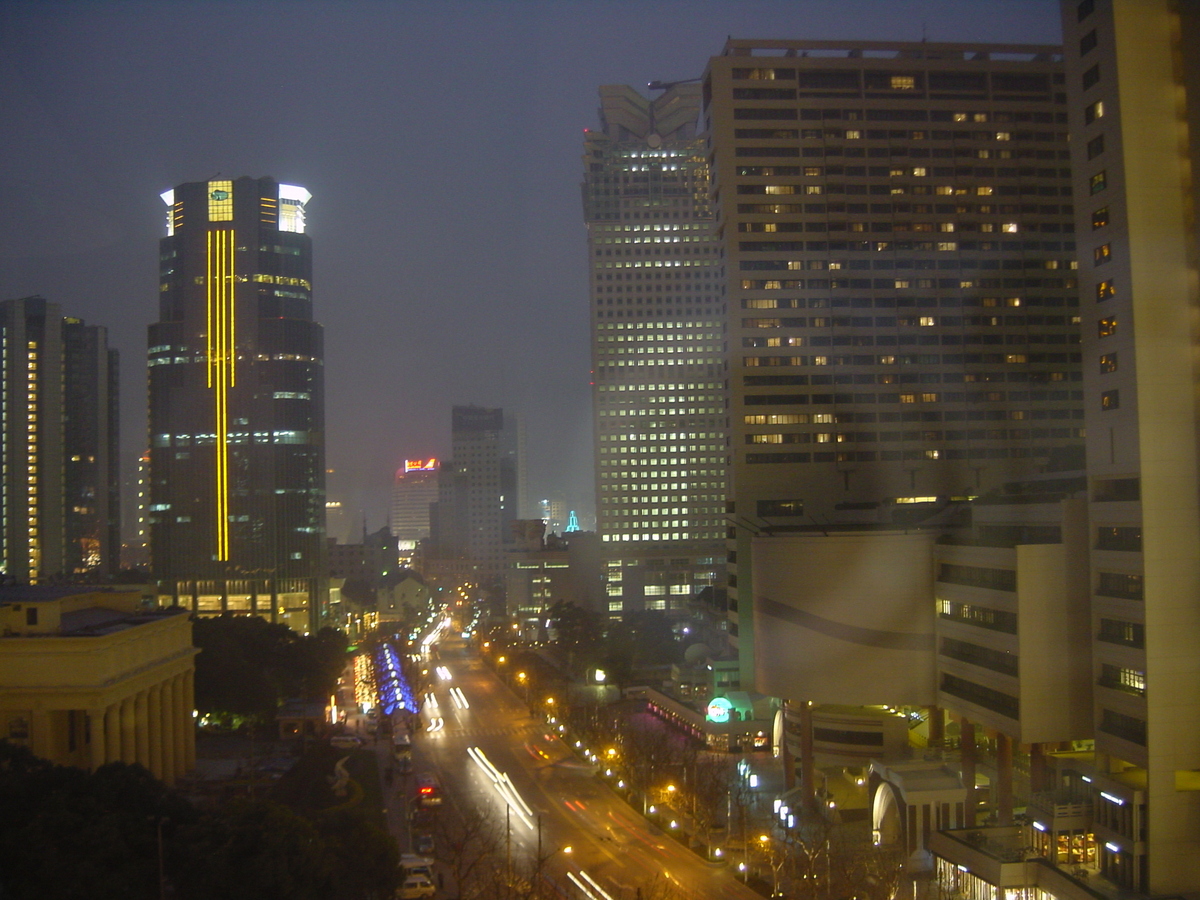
(899, 266)
(237, 442)
(1133, 80)
(657, 319)
(59, 497)
(414, 488)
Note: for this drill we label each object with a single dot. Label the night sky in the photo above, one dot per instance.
(441, 142)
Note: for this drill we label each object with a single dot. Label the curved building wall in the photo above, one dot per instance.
(845, 619)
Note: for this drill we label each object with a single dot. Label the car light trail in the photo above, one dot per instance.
(591, 890)
(460, 699)
(503, 786)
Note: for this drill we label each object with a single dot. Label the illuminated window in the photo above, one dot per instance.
(1093, 111)
(220, 201)
(1110, 400)
(1107, 327)
(984, 190)
(1003, 136)
(945, 226)
(1102, 254)
(1100, 218)
(1009, 227)
(903, 82)
(853, 135)
(919, 172)
(1104, 290)
(1108, 363)
(1098, 182)
(1015, 358)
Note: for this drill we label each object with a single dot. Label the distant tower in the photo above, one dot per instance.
(237, 432)
(414, 488)
(60, 490)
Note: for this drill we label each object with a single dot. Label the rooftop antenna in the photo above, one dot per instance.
(924, 35)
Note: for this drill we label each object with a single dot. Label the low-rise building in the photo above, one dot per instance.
(90, 676)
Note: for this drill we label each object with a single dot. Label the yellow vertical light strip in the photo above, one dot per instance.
(221, 355)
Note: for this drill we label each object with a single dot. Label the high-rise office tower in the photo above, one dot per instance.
(479, 491)
(657, 348)
(60, 490)
(237, 443)
(413, 489)
(1133, 82)
(899, 267)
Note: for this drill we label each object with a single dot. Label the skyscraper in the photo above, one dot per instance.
(60, 491)
(899, 267)
(479, 496)
(237, 441)
(413, 489)
(657, 348)
(1133, 80)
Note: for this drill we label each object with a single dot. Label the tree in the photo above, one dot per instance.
(247, 666)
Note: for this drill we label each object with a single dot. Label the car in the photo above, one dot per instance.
(423, 843)
(415, 887)
(346, 741)
(411, 864)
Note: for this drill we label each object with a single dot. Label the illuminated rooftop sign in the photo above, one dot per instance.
(718, 709)
(420, 465)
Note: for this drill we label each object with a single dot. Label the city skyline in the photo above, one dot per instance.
(483, 298)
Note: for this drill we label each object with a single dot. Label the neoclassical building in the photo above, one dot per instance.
(90, 676)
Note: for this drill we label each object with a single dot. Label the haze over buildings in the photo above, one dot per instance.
(453, 276)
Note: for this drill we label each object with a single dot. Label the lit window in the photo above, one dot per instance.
(1104, 290)
(903, 82)
(1003, 136)
(1102, 254)
(1098, 182)
(1093, 111)
(919, 172)
(853, 135)
(1110, 400)
(984, 190)
(1100, 218)
(1108, 363)
(1009, 227)
(1107, 327)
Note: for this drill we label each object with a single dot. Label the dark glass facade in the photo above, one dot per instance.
(237, 472)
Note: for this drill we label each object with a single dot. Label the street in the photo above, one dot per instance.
(490, 754)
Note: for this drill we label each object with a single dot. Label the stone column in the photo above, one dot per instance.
(966, 745)
(156, 742)
(141, 715)
(181, 717)
(1004, 779)
(96, 736)
(167, 731)
(189, 724)
(128, 731)
(112, 733)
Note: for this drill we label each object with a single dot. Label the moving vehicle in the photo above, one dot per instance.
(410, 864)
(429, 790)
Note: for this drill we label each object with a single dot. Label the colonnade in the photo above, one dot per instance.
(152, 727)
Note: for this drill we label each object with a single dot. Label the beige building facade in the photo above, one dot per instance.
(89, 677)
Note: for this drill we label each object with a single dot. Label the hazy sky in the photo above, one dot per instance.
(441, 142)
